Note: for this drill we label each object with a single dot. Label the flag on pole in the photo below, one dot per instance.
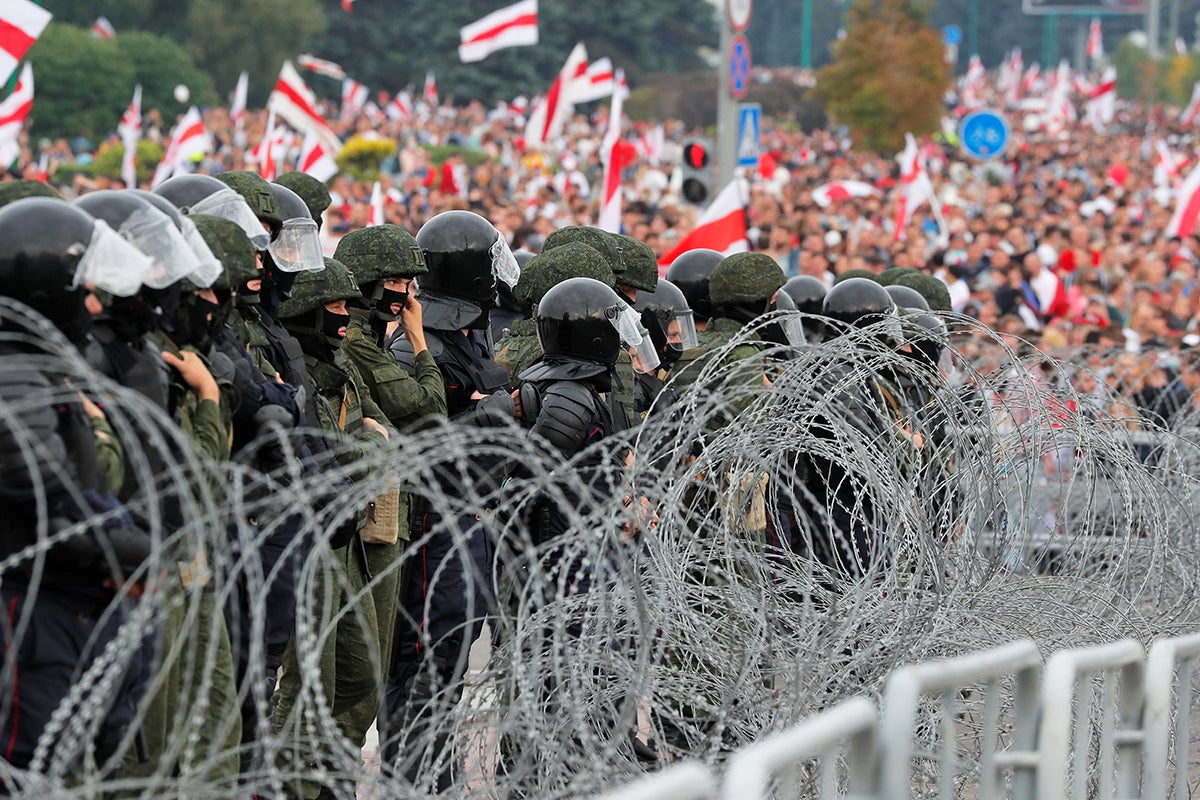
(375, 217)
(842, 190)
(1102, 101)
(400, 107)
(1188, 116)
(103, 29)
(296, 105)
(1168, 166)
(722, 226)
(610, 198)
(237, 108)
(1095, 40)
(599, 81)
(321, 66)
(264, 154)
(915, 187)
(13, 112)
(130, 129)
(189, 139)
(548, 118)
(1187, 206)
(314, 160)
(650, 145)
(430, 95)
(354, 97)
(21, 23)
(512, 26)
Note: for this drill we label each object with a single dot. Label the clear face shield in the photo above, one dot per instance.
(112, 264)
(688, 338)
(153, 232)
(210, 267)
(297, 248)
(230, 205)
(504, 263)
(793, 329)
(634, 336)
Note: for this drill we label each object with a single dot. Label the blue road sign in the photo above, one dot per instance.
(984, 134)
(749, 139)
(952, 35)
(739, 66)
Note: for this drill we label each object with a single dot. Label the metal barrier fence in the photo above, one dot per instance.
(1052, 750)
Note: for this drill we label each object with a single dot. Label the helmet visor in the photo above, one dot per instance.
(297, 248)
(792, 326)
(210, 266)
(111, 263)
(153, 232)
(634, 336)
(228, 204)
(504, 263)
(688, 338)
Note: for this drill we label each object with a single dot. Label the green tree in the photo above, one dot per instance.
(159, 66)
(108, 160)
(82, 84)
(389, 48)
(227, 37)
(888, 75)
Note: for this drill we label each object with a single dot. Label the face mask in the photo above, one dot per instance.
(386, 299)
(670, 356)
(331, 324)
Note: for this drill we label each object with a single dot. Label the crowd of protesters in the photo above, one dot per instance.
(1059, 244)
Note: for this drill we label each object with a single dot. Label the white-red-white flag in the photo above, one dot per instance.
(1187, 206)
(1102, 101)
(1188, 115)
(103, 29)
(296, 105)
(237, 108)
(1167, 167)
(1059, 111)
(13, 112)
(400, 107)
(548, 118)
(915, 188)
(973, 85)
(130, 129)
(354, 97)
(598, 82)
(511, 26)
(722, 226)
(1095, 40)
(265, 154)
(429, 94)
(650, 145)
(21, 23)
(843, 190)
(321, 66)
(189, 139)
(375, 215)
(314, 160)
(1032, 81)
(610, 195)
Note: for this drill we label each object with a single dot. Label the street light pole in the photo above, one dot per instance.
(806, 34)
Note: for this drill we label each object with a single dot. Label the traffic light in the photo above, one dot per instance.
(697, 172)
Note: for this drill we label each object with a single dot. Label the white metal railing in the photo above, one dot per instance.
(852, 751)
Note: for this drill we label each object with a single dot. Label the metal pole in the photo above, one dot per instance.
(1173, 24)
(1080, 49)
(806, 34)
(1153, 25)
(726, 108)
(973, 28)
(1050, 41)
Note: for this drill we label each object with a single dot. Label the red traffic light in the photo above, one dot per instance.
(695, 155)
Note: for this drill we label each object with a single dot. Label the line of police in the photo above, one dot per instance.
(210, 298)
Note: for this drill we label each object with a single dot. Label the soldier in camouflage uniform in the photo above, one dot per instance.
(520, 349)
(384, 261)
(316, 315)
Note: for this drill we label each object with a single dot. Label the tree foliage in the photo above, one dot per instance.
(388, 46)
(888, 76)
(108, 160)
(159, 66)
(81, 83)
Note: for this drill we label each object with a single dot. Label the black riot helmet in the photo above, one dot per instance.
(668, 318)
(929, 340)
(583, 319)
(204, 194)
(210, 266)
(43, 246)
(691, 273)
(857, 303)
(466, 256)
(298, 245)
(808, 294)
(907, 297)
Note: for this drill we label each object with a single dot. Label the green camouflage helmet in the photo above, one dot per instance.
(552, 267)
(641, 265)
(601, 241)
(857, 273)
(232, 248)
(314, 289)
(381, 251)
(311, 191)
(257, 193)
(744, 278)
(929, 287)
(12, 191)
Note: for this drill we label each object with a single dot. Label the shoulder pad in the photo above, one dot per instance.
(567, 415)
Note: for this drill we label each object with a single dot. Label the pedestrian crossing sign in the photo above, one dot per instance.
(748, 140)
